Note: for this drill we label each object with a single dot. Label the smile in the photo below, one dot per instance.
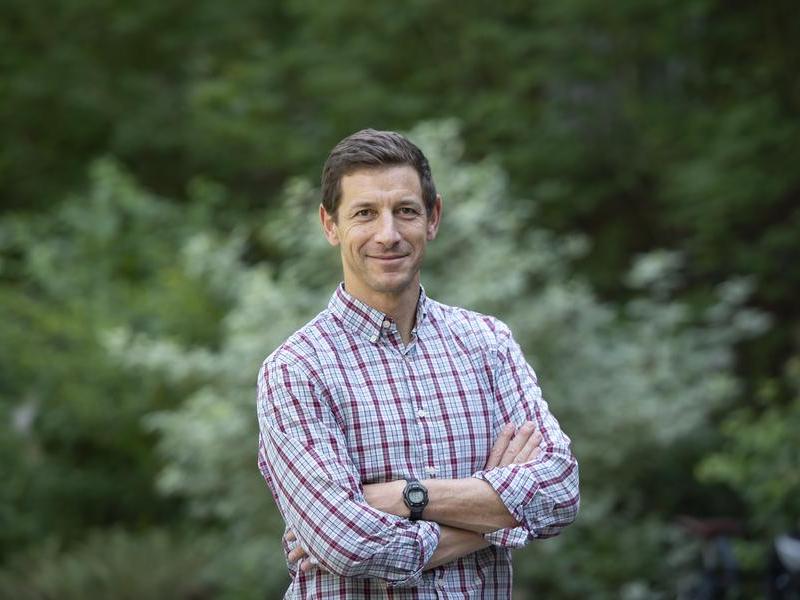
(389, 258)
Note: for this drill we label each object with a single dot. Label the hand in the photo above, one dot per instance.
(515, 448)
(299, 553)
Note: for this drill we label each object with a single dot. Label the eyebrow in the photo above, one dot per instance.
(405, 201)
(361, 204)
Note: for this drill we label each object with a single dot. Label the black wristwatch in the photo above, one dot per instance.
(416, 498)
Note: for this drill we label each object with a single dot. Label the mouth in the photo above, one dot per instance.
(390, 258)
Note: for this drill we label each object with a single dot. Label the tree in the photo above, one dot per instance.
(639, 127)
(74, 455)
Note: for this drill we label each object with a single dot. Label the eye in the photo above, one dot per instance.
(364, 212)
(408, 211)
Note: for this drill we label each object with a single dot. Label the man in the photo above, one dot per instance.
(406, 443)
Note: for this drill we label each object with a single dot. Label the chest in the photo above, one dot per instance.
(426, 411)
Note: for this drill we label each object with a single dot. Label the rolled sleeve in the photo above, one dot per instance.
(542, 500)
(426, 538)
(512, 537)
(318, 491)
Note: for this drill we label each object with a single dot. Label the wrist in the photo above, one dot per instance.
(415, 497)
(398, 503)
(387, 497)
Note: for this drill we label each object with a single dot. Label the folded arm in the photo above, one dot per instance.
(453, 544)
(542, 494)
(318, 491)
(460, 536)
(469, 503)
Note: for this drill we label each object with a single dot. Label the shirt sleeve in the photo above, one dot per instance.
(512, 537)
(319, 492)
(542, 494)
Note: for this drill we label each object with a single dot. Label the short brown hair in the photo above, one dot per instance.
(371, 148)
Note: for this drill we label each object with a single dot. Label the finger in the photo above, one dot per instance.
(500, 445)
(534, 454)
(517, 443)
(529, 448)
(297, 554)
(308, 564)
(290, 536)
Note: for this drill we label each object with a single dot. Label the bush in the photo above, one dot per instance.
(113, 565)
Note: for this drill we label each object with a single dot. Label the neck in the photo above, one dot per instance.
(401, 307)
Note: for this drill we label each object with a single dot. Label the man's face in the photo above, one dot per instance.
(382, 229)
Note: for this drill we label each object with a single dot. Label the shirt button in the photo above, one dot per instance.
(430, 470)
(386, 324)
(422, 413)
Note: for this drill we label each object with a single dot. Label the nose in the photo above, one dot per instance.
(387, 233)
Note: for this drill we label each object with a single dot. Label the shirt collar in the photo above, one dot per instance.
(362, 319)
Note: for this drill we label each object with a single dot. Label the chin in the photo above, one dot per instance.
(392, 285)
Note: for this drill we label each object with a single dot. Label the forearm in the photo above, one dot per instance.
(470, 504)
(453, 544)
(347, 537)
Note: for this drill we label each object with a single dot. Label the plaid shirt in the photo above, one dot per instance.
(344, 402)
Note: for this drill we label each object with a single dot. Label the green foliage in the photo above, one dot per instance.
(759, 459)
(113, 565)
(74, 454)
(641, 127)
(628, 121)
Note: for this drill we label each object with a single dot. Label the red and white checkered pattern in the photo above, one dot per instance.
(343, 402)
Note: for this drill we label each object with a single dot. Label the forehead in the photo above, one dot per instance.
(381, 183)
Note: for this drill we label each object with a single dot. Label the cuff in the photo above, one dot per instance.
(513, 537)
(518, 489)
(428, 540)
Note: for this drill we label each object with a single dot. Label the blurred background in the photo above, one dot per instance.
(621, 186)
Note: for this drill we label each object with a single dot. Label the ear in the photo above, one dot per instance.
(434, 218)
(329, 226)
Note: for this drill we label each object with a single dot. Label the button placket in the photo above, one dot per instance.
(426, 451)
(418, 451)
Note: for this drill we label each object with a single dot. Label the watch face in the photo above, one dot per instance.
(416, 496)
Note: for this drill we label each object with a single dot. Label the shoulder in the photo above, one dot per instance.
(476, 328)
(300, 352)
